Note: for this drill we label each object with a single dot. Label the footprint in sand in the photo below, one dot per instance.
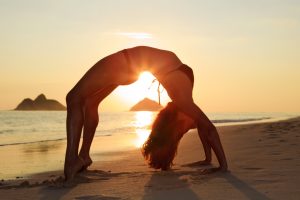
(97, 197)
(252, 168)
(273, 136)
(275, 154)
(282, 140)
(286, 159)
(263, 181)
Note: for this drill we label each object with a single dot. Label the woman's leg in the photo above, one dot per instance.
(74, 127)
(179, 89)
(207, 149)
(110, 70)
(91, 119)
(206, 128)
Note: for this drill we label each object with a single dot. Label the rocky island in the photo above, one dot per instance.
(40, 103)
(146, 105)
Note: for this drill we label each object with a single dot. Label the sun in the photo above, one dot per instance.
(145, 87)
(146, 78)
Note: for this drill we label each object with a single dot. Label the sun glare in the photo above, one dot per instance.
(143, 119)
(142, 135)
(144, 87)
(142, 125)
(146, 77)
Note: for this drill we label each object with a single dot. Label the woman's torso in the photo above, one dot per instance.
(157, 61)
(124, 67)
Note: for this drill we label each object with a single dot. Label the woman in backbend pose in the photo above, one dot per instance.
(123, 68)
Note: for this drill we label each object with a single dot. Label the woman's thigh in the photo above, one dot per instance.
(178, 87)
(95, 99)
(111, 70)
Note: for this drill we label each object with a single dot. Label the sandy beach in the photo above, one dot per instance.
(263, 158)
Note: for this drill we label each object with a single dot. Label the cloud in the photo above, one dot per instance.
(135, 35)
(281, 22)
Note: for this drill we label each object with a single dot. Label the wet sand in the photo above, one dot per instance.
(264, 162)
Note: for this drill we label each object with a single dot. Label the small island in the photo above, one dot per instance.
(40, 103)
(146, 105)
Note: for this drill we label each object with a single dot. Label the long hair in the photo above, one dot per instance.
(161, 146)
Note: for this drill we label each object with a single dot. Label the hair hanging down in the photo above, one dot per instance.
(161, 146)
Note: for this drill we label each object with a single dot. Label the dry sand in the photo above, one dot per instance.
(264, 162)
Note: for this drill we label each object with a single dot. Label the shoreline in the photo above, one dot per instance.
(218, 124)
(263, 159)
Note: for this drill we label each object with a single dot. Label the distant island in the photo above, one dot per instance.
(146, 105)
(40, 103)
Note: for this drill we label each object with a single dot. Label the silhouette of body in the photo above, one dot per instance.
(123, 68)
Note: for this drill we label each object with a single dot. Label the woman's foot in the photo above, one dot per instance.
(73, 168)
(86, 160)
(198, 163)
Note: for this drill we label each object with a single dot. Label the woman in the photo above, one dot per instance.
(123, 68)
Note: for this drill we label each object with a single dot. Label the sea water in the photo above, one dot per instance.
(35, 141)
(21, 127)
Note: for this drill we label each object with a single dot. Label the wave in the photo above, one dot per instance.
(7, 131)
(31, 142)
(239, 120)
(50, 140)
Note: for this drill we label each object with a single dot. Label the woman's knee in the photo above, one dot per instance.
(91, 114)
(205, 125)
(207, 129)
(73, 99)
(91, 121)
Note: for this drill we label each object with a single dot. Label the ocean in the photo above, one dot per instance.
(34, 142)
(21, 127)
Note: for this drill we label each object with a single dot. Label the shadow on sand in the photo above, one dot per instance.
(168, 185)
(244, 188)
(176, 185)
(162, 185)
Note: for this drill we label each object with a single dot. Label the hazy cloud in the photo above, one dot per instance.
(135, 35)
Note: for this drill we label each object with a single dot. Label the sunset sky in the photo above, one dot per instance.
(245, 54)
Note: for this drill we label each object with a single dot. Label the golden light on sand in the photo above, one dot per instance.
(142, 135)
(142, 127)
(142, 88)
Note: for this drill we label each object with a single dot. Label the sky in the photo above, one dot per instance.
(245, 54)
